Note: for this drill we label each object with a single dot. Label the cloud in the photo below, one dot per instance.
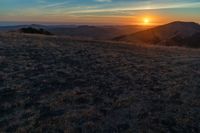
(138, 8)
(104, 0)
(55, 4)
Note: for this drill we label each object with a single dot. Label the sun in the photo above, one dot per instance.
(146, 21)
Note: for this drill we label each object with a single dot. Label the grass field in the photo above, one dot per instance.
(57, 84)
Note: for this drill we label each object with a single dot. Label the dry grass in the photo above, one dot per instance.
(54, 84)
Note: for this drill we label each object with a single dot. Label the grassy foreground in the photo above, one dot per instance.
(55, 84)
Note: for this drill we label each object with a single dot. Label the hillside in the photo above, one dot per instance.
(175, 34)
(81, 31)
(55, 84)
(97, 32)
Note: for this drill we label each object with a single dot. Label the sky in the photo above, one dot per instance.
(125, 12)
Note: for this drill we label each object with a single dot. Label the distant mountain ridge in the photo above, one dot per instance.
(176, 33)
(82, 31)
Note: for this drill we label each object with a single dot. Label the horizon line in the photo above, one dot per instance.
(19, 23)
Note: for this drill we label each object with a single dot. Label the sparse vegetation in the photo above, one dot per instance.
(54, 84)
(31, 30)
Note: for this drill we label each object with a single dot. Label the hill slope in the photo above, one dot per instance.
(82, 31)
(175, 33)
(54, 84)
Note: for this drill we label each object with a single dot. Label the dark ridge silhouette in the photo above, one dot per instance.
(172, 34)
(82, 31)
(31, 30)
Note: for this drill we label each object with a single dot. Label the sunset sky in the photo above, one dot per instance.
(128, 12)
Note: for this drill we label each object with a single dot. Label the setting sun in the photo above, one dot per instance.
(146, 21)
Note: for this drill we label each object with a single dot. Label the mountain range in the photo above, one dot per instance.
(176, 33)
(82, 31)
(172, 34)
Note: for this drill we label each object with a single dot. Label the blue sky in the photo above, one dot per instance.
(99, 11)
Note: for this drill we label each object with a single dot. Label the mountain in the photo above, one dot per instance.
(175, 33)
(82, 31)
(18, 27)
(97, 32)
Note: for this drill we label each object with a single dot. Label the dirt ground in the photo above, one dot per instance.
(55, 84)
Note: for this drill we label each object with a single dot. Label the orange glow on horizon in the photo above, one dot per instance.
(150, 20)
(146, 21)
